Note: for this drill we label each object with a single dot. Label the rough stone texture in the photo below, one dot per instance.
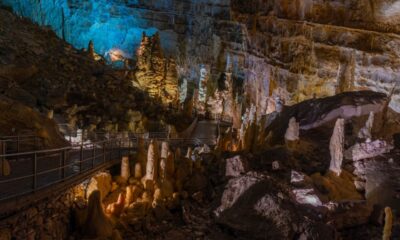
(154, 73)
(102, 182)
(41, 71)
(367, 150)
(152, 162)
(236, 166)
(49, 219)
(359, 48)
(292, 132)
(336, 147)
(253, 205)
(366, 131)
(278, 51)
(316, 112)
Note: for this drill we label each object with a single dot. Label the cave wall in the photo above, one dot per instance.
(320, 48)
(292, 50)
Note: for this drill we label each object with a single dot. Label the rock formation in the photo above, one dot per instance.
(236, 166)
(292, 132)
(152, 161)
(100, 182)
(202, 90)
(336, 147)
(138, 174)
(366, 131)
(368, 149)
(125, 168)
(156, 74)
(387, 229)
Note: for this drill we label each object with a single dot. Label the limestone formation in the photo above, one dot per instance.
(91, 49)
(367, 150)
(152, 161)
(125, 168)
(156, 74)
(129, 198)
(292, 132)
(97, 224)
(101, 182)
(164, 150)
(202, 92)
(387, 229)
(163, 169)
(366, 131)
(138, 171)
(236, 166)
(336, 146)
(117, 207)
(183, 89)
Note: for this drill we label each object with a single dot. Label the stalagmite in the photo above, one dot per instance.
(336, 146)
(163, 160)
(183, 91)
(387, 229)
(163, 169)
(138, 171)
(202, 97)
(292, 132)
(117, 207)
(366, 131)
(157, 197)
(97, 224)
(164, 149)
(129, 196)
(125, 169)
(152, 161)
(91, 49)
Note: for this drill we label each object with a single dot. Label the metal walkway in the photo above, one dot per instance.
(32, 172)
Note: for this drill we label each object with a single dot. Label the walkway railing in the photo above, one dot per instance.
(18, 143)
(35, 170)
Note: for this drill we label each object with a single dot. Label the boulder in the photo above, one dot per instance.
(236, 166)
(101, 182)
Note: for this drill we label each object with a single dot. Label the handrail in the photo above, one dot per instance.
(51, 166)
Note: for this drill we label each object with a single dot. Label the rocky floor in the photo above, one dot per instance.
(43, 72)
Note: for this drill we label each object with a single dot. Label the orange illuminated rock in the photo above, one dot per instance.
(117, 207)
